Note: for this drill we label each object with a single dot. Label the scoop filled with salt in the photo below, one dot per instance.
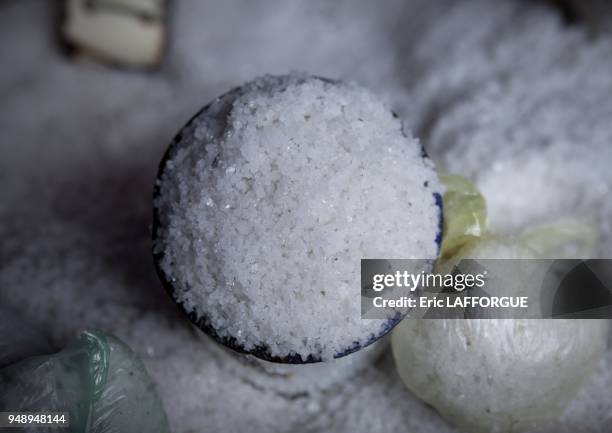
(268, 198)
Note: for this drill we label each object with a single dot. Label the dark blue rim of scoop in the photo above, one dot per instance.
(260, 351)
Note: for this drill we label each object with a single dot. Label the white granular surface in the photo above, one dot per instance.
(533, 131)
(80, 147)
(272, 197)
(500, 375)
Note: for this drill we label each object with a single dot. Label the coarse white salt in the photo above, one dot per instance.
(103, 246)
(311, 176)
(499, 375)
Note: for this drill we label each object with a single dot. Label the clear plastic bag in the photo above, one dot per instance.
(465, 215)
(98, 381)
(499, 375)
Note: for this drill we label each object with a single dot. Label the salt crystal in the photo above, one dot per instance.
(299, 204)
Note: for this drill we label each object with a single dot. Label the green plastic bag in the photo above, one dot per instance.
(465, 215)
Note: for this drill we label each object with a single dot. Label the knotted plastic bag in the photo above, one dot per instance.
(97, 380)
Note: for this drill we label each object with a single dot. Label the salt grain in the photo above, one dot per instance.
(297, 238)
